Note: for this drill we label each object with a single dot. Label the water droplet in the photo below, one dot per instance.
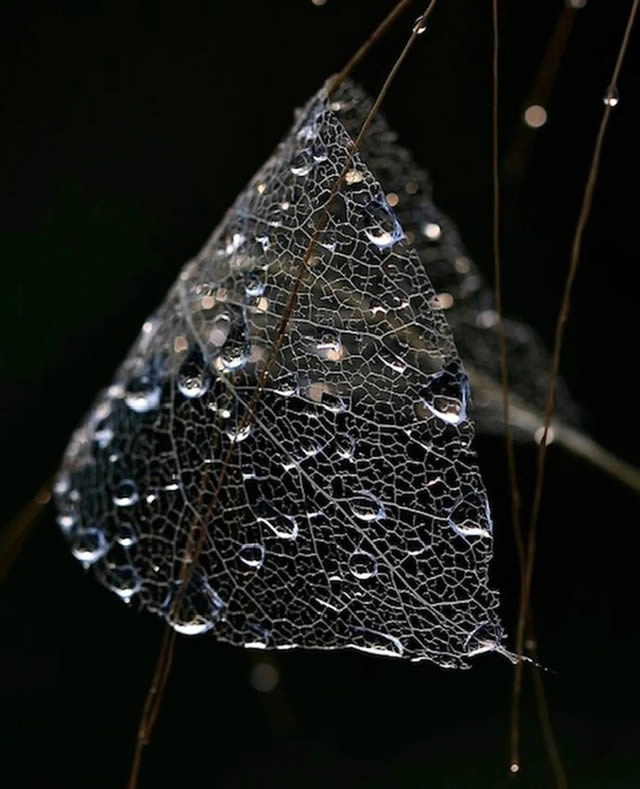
(286, 385)
(301, 163)
(419, 26)
(446, 396)
(193, 380)
(333, 403)
(126, 493)
(142, 393)
(611, 98)
(238, 434)
(379, 644)
(126, 535)
(471, 516)
(199, 607)
(234, 356)
(124, 581)
(254, 283)
(283, 526)
(345, 447)
(89, 545)
(367, 507)
(252, 554)
(220, 329)
(319, 151)
(381, 226)
(363, 565)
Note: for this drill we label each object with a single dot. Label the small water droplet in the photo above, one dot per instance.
(234, 356)
(124, 581)
(126, 493)
(301, 163)
(319, 151)
(89, 545)
(379, 644)
(254, 283)
(332, 402)
(142, 393)
(283, 526)
(193, 380)
(252, 554)
(126, 535)
(446, 395)
(345, 447)
(381, 227)
(362, 565)
(611, 98)
(471, 516)
(238, 434)
(419, 26)
(286, 385)
(367, 507)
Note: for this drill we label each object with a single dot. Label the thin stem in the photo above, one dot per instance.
(377, 34)
(555, 362)
(163, 665)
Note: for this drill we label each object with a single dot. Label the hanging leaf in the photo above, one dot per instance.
(341, 505)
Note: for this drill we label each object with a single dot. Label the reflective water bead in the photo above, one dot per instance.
(363, 565)
(252, 554)
(126, 493)
(142, 394)
(367, 507)
(89, 545)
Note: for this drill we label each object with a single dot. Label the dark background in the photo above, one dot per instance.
(128, 130)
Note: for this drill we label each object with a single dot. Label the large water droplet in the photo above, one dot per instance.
(252, 554)
(126, 493)
(380, 224)
(367, 507)
(142, 393)
(193, 378)
(199, 607)
(283, 526)
(471, 516)
(89, 545)
(363, 565)
(446, 395)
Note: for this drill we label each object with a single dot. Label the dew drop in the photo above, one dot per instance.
(142, 394)
(89, 545)
(301, 163)
(367, 507)
(126, 493)
(239, 434)
(363, 565)
(381, 227)
(252, 554)
(333, 403)
(611, 98)
(345, 447)
(253, 283)
(124, 581)
(193, 380)
(199, 607)
(234, 357)
(471, 516)
(419, 26)
(126, 535)
(446, 396)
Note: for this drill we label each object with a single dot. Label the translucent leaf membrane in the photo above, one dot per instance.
(461, 293)
(351, 512)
